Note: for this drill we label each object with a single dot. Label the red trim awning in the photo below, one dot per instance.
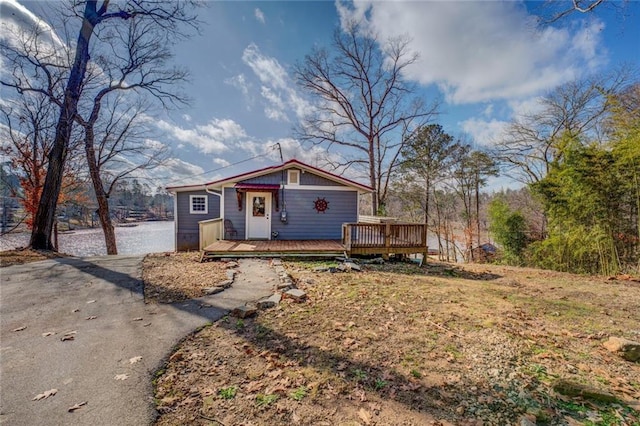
(257, 187)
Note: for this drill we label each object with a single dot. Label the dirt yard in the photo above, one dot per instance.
(401, 345)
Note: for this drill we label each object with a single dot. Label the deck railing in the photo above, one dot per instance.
(210, 231)
(385, 238)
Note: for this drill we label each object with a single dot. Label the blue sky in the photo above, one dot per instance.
(487, 61)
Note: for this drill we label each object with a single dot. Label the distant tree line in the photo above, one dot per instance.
(130, 200)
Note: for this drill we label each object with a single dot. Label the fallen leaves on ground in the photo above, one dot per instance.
(399, 344)
(121, 377)
(22, 256)
(135, 359)
(24, 327)
(77, 406)
(174, 277)
(45, 394)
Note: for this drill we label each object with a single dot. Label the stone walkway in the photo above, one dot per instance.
(80, 326)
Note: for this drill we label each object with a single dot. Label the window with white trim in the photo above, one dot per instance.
(198, 204)
(294, 177)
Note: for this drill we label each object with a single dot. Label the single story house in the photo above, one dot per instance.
(291, 201)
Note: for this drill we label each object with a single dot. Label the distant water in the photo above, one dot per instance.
(146, 237)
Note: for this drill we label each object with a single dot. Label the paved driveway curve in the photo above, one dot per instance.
(118, 341)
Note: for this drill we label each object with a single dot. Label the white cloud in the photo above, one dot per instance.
(186, 117)
(216, 136)
(480, 51)
(268, 70)
(277, 90)
(239, 82)
(221, 162)
(484, 132)
(259, 15)
(16, 18)
(178, 172)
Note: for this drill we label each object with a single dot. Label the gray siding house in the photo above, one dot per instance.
(292, 201)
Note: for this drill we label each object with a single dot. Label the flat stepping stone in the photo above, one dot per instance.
(244, 311)
(296, 294)
(270, 302)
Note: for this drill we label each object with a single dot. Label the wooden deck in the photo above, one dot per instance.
(274, 248)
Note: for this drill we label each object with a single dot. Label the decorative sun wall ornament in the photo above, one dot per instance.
(321, 205)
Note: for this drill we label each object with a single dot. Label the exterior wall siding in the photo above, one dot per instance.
(271, 178)
(237, 218)
(187, 231)
(305, 223)
(308, 178)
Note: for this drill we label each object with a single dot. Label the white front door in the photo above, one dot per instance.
(258, 215)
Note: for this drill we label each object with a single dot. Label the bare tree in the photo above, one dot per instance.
(166, 16)
(114, 126)
(363, 104)
(119, 148)
(534, 140)
(555, 10)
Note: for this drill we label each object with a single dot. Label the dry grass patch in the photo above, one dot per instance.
(173, 277)
(403, 345)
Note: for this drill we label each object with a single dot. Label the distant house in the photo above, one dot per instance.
(292, 201)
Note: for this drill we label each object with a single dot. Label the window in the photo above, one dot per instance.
(294, 177)
(198, 204)
(259, 206)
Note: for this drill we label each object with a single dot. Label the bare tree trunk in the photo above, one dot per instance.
(372, 177)
(45, 215)
(478, 207)
(101, 196)
(438, 226)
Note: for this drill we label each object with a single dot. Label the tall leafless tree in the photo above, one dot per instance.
(113, 119)
(363, 105)
(578, 109)
(168, 17)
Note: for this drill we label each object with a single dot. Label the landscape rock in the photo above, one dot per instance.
(276, 262)
(244, 311)
(296, 294)
(353, 266)
(525, 421)
(376, 261)
(213, 290)
(284, 286)
(320, 269)
(231, 264)
(569, 388)
(225, 284)
(231, 275)
(270, 302)
(627, 349)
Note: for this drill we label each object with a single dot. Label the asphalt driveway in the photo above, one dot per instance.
(81, 326)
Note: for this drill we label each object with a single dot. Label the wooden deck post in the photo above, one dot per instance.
(426, 245)
(387, 241)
